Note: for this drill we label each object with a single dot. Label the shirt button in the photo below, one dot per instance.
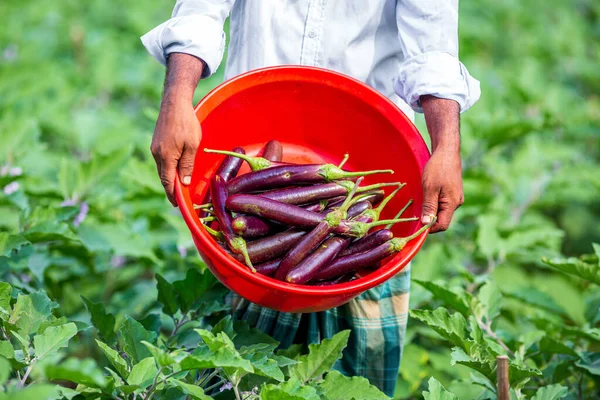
(312, 34)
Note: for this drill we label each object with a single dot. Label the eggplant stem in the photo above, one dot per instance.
(385, 201)
(331, 172)
(400, 212)
(344, 160)
(348, 202)
(202, 206)
(401, 242)
(216, 234)
(391, 221)
(238, 245)
(210, 218)
(255, 163)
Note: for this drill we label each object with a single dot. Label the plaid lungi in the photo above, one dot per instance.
(377, 320)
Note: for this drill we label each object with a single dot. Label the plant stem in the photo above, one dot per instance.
(27, 372)
(211, 387)
(580, 386)
(152, 389)
(209, 377)
(179, 324)
(488, 329)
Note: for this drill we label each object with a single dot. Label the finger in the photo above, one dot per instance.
(444, 219)
(186, 163)
(430, 204)
(168, 170)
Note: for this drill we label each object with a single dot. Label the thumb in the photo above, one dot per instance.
(186, 163)
(430, 205)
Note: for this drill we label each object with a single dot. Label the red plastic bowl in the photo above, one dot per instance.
(318, 115)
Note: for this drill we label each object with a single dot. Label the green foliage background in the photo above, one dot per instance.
(78, 100)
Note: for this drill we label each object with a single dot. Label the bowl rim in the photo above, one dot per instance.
(339, 81)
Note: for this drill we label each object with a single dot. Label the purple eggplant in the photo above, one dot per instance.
(290, 175)
(218, 192)
(309, 194)
(353, 262)
(273, 151)
(314, 237)
(368, 242)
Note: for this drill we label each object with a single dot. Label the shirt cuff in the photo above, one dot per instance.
(438, 74)
(197, 35)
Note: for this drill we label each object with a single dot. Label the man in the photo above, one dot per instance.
(406, 49)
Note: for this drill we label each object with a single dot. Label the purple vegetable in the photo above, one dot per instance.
(309, 194)
(218, 192)
(368, 242)
(310, 266)
(230, 165)
(251, 227)
(273, 151)
(314, 237)
(268, 268)
(353, 262)
(290, 175)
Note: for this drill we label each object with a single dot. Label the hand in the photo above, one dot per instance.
(442, 177)
(442, 188)
(177, 134)
(176, 139)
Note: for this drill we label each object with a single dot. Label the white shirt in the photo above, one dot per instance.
(402, 48)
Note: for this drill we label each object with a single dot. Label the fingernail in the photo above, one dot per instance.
(187, 180)
(426, 219)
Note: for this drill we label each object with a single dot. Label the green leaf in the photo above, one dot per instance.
(193, 287)
(339, 387)
(320, 358)
(264, 366)
(551, 346)
(535, 297)
(489, 241)
(5, 298)
(437, 391)
(30, 310)
(163, 358)
(103, 321)
(11, 243)
(294, 351)
(576, 267)
(115, 359)
(167, 296)
(590, 362)
(519, 374)
(551, 392)
(451, 327)
(458, 301)
(225, 325)
(84, 372)
(193, 391)
(488, 302)
(247, 336)
(142, 374)
(5, 370)
(290, 390)
(6, 349)
(54, 338)
(224, 357)
(35, 392)
(132, 334)
(484, 367)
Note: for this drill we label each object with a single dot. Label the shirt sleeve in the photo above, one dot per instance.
(195, 28)
(428, 31)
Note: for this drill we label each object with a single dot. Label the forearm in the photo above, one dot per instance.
(183, 74)
(442, 117)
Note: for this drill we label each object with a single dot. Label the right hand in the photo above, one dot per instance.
(176, 139)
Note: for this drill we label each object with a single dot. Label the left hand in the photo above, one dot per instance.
(442, 188)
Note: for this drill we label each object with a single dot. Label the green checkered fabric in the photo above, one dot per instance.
(377, 321)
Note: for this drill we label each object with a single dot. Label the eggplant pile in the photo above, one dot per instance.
(300, 223)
